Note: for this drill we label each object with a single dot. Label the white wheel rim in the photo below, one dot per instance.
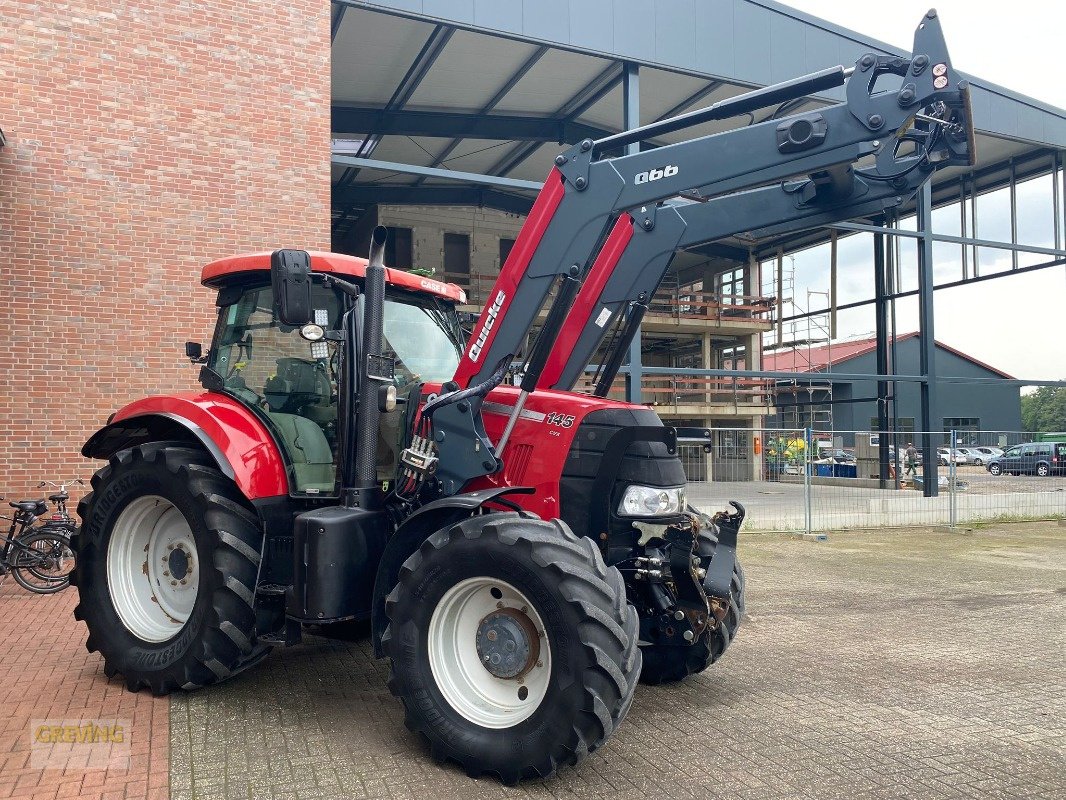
(466, 683)
(153, 572)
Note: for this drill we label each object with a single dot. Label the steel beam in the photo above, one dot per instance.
(458, 125)
(430, 172)
(943, 237)
(631, 119)
(881, 326)
(369, 194)
(926, 341)
(837, 377)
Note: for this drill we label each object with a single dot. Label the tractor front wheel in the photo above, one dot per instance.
(512, 645)
(166, 564)
(672, 663)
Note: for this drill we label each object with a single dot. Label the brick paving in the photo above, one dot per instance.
(918, 664)
(48, 674)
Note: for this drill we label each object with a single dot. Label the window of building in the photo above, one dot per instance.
(399, 252)
(456, 254)
(506, 245)
(962, 424)
(731, 286)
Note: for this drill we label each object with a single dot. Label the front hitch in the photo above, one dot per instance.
(719, 577)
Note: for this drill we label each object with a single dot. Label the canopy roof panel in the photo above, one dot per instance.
(499, 89)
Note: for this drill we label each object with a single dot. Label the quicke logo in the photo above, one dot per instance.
(490, 321)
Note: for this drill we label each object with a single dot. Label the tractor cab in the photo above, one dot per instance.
(290, 376)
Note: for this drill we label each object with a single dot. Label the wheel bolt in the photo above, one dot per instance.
(173, 583)
(170, 547)
(491, 636)
(524, 609)
(499, 604)
(183, 582)
(540, 663)
(166, 574)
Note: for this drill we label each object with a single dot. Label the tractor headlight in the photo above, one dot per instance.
(652, 501)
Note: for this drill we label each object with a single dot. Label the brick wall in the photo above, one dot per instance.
(144, 139)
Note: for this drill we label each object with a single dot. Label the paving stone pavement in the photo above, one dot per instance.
(921, 664)
(46, 673)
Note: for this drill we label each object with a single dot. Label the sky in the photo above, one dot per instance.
(1012, 323)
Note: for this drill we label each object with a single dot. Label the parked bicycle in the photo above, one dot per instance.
(61, 517)
(40, 558)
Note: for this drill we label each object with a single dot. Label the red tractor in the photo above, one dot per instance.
(524, 553)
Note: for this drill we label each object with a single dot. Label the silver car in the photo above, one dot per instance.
(982, 455)
(957, 456)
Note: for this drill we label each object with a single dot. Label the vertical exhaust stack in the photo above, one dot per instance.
(372, 373)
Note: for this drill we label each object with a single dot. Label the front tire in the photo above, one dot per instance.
(166, 564)
(995, 469)
(670, 663)
(1043, 470)
(549, 620)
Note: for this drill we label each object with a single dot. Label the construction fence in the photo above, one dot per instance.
(806, 481)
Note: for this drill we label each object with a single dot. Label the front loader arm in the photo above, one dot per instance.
(625, 278)
(583, 196)
(568, 241)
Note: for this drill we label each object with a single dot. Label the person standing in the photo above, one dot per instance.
(911, 460)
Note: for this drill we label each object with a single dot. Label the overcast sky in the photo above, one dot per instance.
(1012, 323)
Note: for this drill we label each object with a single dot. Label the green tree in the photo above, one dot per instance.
(1045, 410)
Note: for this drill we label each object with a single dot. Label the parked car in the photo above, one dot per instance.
(1034, 458)
(956, 455)
(973, 455)
(982, 455)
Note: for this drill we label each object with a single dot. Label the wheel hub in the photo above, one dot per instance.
(507, 643)
(178, 561)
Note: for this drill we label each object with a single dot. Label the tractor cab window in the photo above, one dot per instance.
(293, 384)
(289, 381)
(424, 338)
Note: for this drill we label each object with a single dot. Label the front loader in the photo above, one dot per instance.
(524, 554)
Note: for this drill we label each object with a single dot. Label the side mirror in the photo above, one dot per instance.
(195, 352)
(290, 278)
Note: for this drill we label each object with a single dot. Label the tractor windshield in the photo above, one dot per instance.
(292, 384)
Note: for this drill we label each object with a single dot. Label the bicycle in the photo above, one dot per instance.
(61, 517)
(41, 558)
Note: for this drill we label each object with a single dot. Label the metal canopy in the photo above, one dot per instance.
(497, 89)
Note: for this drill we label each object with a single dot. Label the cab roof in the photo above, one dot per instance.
(216, 273)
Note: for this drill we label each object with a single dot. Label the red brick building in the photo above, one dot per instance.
(142, 140)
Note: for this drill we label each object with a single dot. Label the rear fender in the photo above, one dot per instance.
(239, 442)
(429, 519)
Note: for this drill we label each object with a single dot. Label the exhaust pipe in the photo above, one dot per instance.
(368, 414)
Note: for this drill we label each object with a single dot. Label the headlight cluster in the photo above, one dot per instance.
(652, 501)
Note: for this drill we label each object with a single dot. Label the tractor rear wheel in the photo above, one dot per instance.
(670, 663)
(166, 564)
(512, 645)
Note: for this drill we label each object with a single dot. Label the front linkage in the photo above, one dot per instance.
(682, 586)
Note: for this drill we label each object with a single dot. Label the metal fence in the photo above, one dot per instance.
(804, 480)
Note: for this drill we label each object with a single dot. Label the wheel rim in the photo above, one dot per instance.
(489, 653)
(153, 572)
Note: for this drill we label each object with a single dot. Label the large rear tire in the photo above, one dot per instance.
(166, 564)
(512, 645)
(668, 663)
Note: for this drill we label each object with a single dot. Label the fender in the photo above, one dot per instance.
(238, 441)
(418, 527)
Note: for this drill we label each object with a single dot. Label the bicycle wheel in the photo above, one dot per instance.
(42, 561)
(60, 562)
